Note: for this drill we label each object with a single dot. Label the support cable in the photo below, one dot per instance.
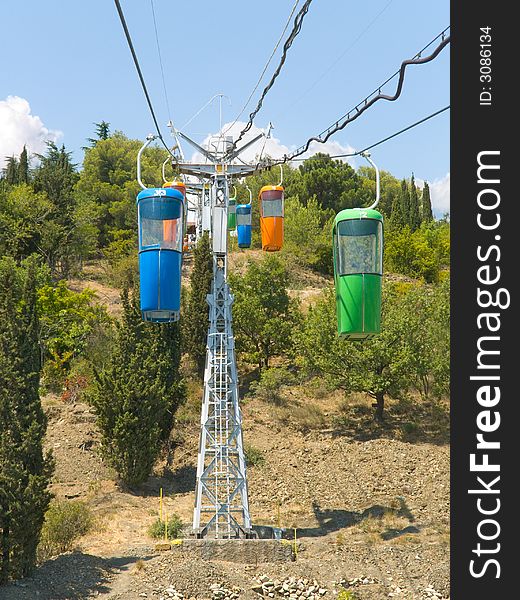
(139, 73)
(297, 25)
(340, 57)
(365, 104)
(386, 139)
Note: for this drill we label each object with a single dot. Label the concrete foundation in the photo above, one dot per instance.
(243, 551)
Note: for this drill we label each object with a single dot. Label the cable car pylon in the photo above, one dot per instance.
(221, 498)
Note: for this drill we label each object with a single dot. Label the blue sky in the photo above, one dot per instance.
(69, 61)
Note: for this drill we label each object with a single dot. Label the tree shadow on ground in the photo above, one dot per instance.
(180, 481)
(415, 422)
(245, 381)
(74, 576)
(331, 520)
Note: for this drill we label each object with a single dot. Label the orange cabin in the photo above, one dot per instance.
(271, 217)
(176, 185)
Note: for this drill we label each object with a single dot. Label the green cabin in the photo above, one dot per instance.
(357, 238)
(232, 214)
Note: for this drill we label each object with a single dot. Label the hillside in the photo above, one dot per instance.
(369, 502)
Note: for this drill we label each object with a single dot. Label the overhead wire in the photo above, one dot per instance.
(331, 66)
(369, 100)
(265, 67)
(160, 62)
(297, 25)
(139, 72)
(386, 139)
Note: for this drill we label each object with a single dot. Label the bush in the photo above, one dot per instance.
(173, 528)
(65, 522)
(270, 384)
(254, 456)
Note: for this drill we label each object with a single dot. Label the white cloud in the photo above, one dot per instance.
(273, 147)
(18, 127)
(440, 195)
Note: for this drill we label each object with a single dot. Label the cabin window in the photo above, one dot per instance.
(160, 224)
(359, 246)
(243, 216)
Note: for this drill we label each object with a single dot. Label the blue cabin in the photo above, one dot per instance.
(161, 231)
(243, 217)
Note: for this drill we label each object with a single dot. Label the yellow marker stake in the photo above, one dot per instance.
(160, 504)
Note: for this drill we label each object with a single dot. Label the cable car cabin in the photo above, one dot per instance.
(232, 215)
(244, 225)
(176, 185)
(271, 217)
(161, 232)
(358, 269)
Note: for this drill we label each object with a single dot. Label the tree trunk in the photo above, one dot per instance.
(379, 406)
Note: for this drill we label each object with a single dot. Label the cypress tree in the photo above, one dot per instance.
(23, 167)
(426, 209)
(197, 313)
(404, 203)
(414, 215)
(396, 215)
(136, 393)
(24, 470)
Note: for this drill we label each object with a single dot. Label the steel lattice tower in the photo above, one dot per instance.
(221, 500)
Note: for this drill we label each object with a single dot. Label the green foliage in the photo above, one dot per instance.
(307, 234)
(67, 320)
(254, 456)
(195, 319)
(137, 391)
(421, 254)
(109, 180)
(334, 183)
(264, 317)
(268, 387)
(25, 472)
(426, 204)
(414, 216)
(172, 528)
(65, 521)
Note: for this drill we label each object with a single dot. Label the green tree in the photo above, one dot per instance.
(308, 234)
(135, 394)
(414, 215)
(195, 320)
(379, 367)
(404, 198)
(264, 316)
(24, 470)
(426, 205)
(102, 133)
(10, 171)
(23, 167)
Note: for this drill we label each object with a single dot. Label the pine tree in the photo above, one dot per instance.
(426, 209)
(414, 215)
(102, 132)
(136, 393)
(196, 317)
(23, 167)
(24, 470)
(11, 170)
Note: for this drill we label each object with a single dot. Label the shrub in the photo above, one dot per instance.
(173, 528)
(65, 522)
(270, 384)
(254, 456)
